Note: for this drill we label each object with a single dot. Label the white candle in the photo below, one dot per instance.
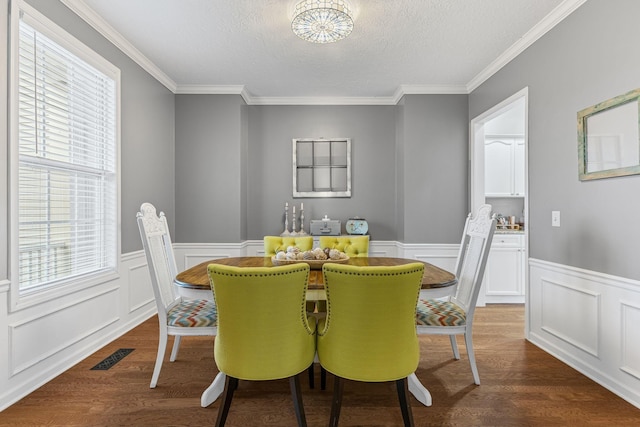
(294, 209)
(301, 206)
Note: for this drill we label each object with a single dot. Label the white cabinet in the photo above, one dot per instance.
(504, 167)
(504, 274)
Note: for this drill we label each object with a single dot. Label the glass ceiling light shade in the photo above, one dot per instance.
(322, 21)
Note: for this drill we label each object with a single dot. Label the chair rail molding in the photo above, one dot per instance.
(586, 319)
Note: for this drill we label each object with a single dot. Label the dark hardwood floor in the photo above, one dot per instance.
(521, 386)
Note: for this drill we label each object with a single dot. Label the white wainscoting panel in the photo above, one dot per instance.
(588, 320)
(35, 339)
(188, 255)
(630, 339)
(440, 255)
(46, 339)
(577, 323)
(140, 289)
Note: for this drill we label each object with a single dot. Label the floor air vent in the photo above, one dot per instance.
(117, 356)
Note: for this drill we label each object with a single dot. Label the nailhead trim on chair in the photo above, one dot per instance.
(193, 313)
(439, 313)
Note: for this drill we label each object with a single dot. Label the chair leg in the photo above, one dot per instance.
(230, 385)
(298, 407)
(176, 347)
(405, 406)
(312, 382)
(323, 378)
(162, 346)
(454, 347)
(472, 357)
(336, 403)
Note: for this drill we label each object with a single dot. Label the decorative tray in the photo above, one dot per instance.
(314, 264)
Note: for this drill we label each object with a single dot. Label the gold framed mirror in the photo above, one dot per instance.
(609, 138)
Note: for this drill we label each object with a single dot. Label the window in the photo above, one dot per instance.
(322, 167)
(64, 156)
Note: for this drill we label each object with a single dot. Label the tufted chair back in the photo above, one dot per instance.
(267, 341)
(274, 244)
(369, 333)
(353, 246)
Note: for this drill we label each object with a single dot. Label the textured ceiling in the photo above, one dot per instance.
(395, 43)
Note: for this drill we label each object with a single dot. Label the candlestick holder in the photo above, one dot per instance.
(286, 221)
(301, 232)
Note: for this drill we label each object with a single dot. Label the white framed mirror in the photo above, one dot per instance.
(609, 138)
(322, 167)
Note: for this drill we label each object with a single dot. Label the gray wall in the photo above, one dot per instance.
(253, 182)
(147, 131)
(372, 133)
(210, 164)
(435, 153)
(586, 59)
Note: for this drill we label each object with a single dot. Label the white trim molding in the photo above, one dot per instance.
(45, 340)
(563, 10)
(587, 319)
(4, 286)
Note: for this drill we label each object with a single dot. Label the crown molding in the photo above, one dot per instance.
(563, 10)
(554, 17)
(80, 8)
(322, 100)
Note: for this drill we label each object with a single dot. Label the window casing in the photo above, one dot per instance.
(64, 158)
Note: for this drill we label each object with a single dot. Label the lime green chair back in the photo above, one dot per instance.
(369, 333)
(271, 340)
(353, 246)
(275, 244)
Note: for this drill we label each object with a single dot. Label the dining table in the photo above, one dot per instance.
(436, 282)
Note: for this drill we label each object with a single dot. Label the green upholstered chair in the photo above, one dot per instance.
(455, 315)
(274, 244)
(268, 341)
(353, 246)
(356, 345)
(177, 316)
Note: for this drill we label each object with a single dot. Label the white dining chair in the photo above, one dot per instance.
(177, 316)
(454, 316)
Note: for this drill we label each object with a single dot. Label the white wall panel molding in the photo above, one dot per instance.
(382, 248)
(59, 329)
(588, 320)
(578, 327)
(190, 254)
(630, 351)
(440, 255)
(140, 290)
(44, 341)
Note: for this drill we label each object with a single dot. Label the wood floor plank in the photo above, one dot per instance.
(521, 386)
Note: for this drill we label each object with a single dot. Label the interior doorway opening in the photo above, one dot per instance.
(498, 176)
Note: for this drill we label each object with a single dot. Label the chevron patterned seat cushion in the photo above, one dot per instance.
(433, 312)
(193, 313)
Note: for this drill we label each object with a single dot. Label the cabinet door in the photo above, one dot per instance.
(518, 167)
(503, 273)
(498, 164)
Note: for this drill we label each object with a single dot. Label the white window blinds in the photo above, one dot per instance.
(67, 170)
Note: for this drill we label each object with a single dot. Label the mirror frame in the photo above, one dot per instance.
(313, 166)
(583, 137)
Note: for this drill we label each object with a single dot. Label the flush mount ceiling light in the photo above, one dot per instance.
(322, 21)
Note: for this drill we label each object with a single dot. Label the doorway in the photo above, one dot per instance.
(498, 176)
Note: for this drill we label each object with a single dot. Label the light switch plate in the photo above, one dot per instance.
(555, 218)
